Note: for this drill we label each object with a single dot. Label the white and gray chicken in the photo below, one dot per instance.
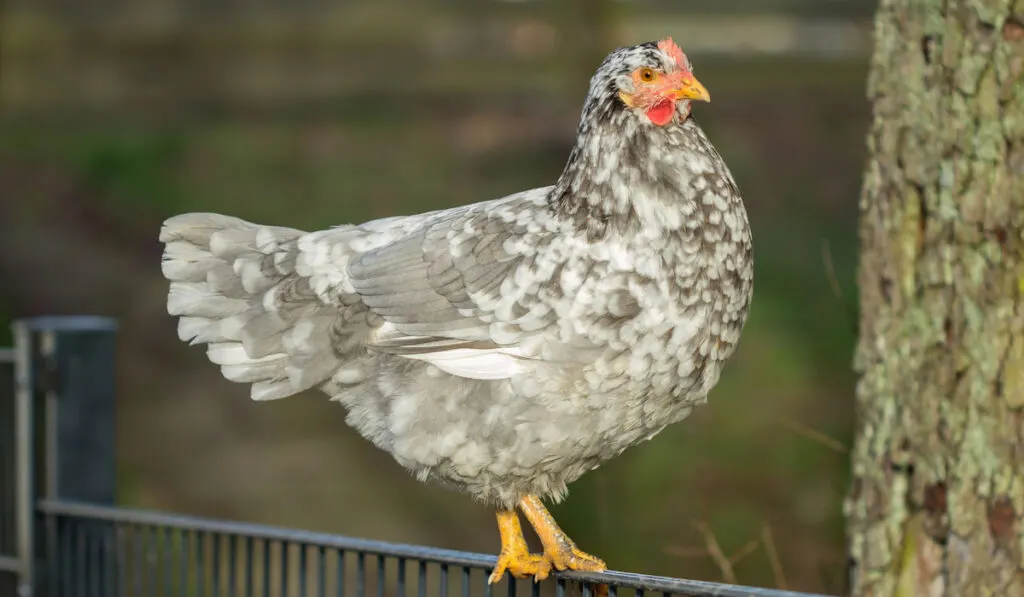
(502, 348)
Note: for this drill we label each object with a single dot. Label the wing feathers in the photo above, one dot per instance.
(284, 310)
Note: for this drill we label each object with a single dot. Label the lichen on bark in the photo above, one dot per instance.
(937, 498)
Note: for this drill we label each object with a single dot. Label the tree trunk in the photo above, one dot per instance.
(936, 502)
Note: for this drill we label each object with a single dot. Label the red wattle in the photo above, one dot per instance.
(662, 112)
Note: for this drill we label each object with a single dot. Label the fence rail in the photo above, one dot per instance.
(163, 554)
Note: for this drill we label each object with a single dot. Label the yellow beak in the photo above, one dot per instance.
(693, 90)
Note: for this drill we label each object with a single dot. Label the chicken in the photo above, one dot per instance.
(502, 348)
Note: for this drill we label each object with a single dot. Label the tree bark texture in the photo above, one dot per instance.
(937, 497)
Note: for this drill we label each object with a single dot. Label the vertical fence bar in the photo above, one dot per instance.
(25, 457)
(8, 492)
(248, 574)
(339, 582)
(283, 567)
(321, 571)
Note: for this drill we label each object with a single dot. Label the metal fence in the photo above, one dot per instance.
(8, 536)
(62, 536)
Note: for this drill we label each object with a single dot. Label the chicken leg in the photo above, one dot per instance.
(515, 556)
(559, 549)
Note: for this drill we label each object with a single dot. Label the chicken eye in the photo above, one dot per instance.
(647, 75)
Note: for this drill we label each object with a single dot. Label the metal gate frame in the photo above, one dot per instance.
(63, 429)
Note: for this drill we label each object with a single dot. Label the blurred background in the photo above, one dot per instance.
(115, 114)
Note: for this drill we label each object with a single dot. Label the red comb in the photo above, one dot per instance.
(669, 47)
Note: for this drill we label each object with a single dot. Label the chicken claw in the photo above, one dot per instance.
(515, 556)
(559, 549)
(572, 558)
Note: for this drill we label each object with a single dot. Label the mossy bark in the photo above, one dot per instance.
(937, 498)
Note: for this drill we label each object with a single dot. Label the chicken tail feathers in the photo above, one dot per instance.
(235, 287)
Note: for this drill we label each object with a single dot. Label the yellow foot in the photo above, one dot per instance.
(521, 564)
(568, 556)
(515, 556)
(559, 549)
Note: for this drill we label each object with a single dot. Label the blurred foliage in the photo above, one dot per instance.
(89, 177)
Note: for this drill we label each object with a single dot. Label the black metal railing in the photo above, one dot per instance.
(9, 564)
(98, 551)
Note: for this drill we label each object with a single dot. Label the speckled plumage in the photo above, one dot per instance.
(506, 347)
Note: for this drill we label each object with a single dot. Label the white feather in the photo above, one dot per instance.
(248, 373)
(196, 300)
(184, 261)
(197, 330)
(232, 242)
(251, 272)
(233, 353)
(271, 390)
(475, 363)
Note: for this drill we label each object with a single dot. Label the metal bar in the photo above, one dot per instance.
(382, 548)
(51, 485)
(232, 563)
(339, 580)
(67, 559)
(265, 587)
(361, 574)
(401, 577)
(135, 532)
(284, 568)
(248, 580)
(81, 571)
(184, 559)
(9, 564)
(364, 547)
(8, 491)
(167, 544)
(380, 576)
(147, 536)
(200, 562)
(94, 545)
(303, 566)
(248, 583)
(216, 571)
(25, 455)
(110, 560)
(121, 545)
(321, 571)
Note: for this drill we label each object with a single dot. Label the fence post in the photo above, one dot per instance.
(65, 422)
(9, 562)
